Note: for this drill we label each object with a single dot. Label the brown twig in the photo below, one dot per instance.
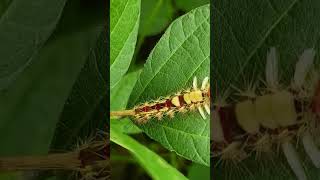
(67, 161)
(90, 160)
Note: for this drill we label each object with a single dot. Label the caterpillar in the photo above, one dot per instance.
(182, 101)
(274, 119)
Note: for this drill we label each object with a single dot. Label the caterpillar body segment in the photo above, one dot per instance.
(186, 100)
(246, 114)
(275, 119)
(283, 109)
(264, 113)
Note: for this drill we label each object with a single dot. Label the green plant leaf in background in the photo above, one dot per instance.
(4, 5)
(87, 94)
(198, 171)
(245, 30)
(119, 97)
(85, 109)
(155, 16)
(126, 126)
(190, 4)
(120, 94)
(181, 54)
(124, 23)
(30, 108)
(157, 167)
(11, 176)
(23, 31)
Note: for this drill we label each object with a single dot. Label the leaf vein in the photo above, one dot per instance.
(144, 87)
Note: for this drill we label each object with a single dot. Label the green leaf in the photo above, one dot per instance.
(30, 108)
(52, 178)
(244, 33)
(155, 16)
(182, 53)
(198, 171)
(126, 126)
(119, 97)
(245, 39)
(11, 175)
(86, 96)
(124, 23)
(157, 167)
(190, 4)
(24, 27)
(4, 4)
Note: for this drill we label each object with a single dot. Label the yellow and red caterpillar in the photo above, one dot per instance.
(180, 102)
(277, 118)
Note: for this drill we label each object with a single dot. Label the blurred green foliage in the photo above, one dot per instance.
(53, 81)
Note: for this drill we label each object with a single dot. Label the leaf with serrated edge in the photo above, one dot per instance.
(182, 53)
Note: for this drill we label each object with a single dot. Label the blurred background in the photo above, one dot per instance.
(53, 79)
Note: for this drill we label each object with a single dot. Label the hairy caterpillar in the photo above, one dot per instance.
(275, 118)
(183, 101)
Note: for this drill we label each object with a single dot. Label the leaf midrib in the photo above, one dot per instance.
(268, 32)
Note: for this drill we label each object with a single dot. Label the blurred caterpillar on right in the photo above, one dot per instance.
(275, 118)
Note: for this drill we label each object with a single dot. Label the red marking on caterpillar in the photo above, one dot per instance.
(180, 102)
(273, 119)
